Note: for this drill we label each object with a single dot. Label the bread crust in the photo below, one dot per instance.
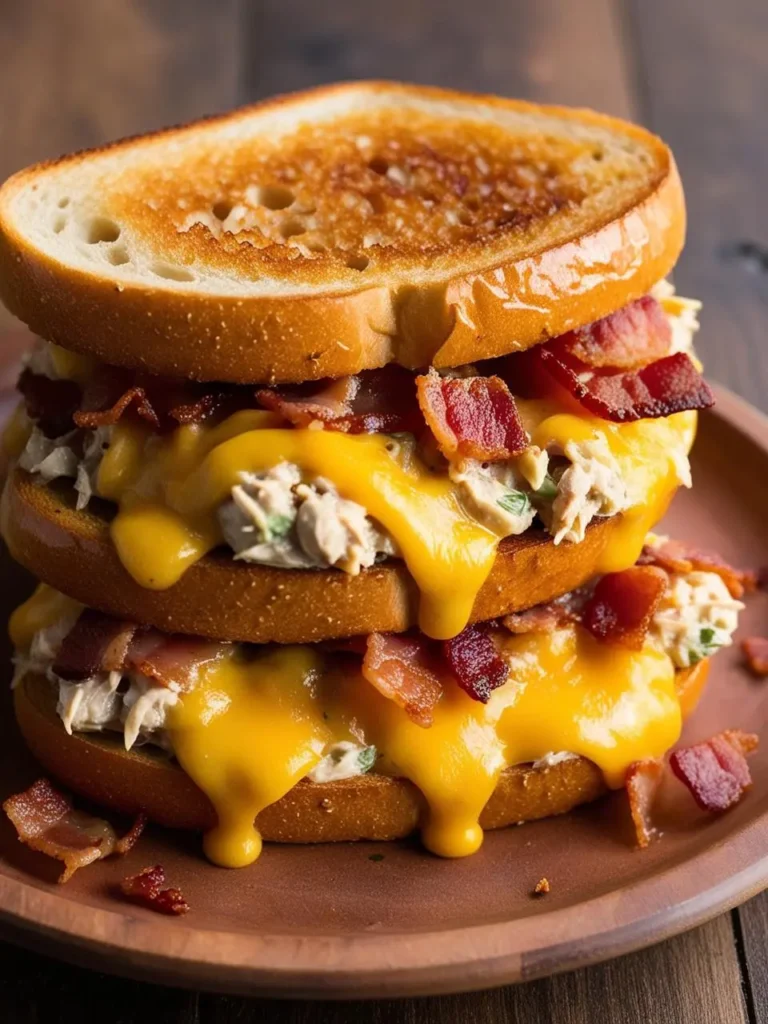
(228, 600)
(465, 311)
(365, 807)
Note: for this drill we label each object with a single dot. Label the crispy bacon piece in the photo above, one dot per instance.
(46, 821)
(51, 403)
(622, 605)
(669, 385)
(473, 417)
(96, 643)
(407, 670)
(127, 842)
(475, 662)
(544, 618)
(146, 889)
(643, 781)
(372, 401)
(633, 336)
(755, 650)
(676, 556)
(173, 661)
(715, 771)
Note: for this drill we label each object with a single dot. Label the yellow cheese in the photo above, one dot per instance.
(259, 720)
(16, 432)
(169, 488)
(254, 727)
(45, 607)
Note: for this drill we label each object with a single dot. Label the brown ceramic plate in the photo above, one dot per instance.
(388, 919)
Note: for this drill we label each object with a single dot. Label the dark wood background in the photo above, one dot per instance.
(75, 73)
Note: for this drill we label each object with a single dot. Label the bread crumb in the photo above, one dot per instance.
(541, 888)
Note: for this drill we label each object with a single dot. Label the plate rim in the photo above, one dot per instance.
(373, 965)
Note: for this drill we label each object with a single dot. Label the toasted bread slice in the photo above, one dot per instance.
(340, 229)
(366, 807)
(228, 600)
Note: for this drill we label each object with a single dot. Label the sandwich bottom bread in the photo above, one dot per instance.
(374, 737)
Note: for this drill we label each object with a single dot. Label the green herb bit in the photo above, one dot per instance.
(366, 759)
(548, 490)
(515, 502)
(708, 643)
(278, 526)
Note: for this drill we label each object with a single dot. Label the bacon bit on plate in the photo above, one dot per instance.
(542, 887)
(475, 662)
(715, 770)
(755, 650)
(622, 605)
(473, 417)
(45, 821)
(146, 888)
(633, 336)
(677, 556)
(127, 842)
(406, 669)
(643, 781)
(96, 642)
(372, 401)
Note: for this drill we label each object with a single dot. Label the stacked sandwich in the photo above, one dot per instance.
(337, 457)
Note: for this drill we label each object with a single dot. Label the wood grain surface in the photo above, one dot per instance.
(77, 73)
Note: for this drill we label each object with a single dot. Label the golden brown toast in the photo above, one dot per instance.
(339, 229)
(73, 552)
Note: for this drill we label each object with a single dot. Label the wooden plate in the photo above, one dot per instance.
(389, 919)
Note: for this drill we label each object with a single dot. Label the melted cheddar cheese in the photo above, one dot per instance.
(254, 727)
(260, 719)
(169, 488)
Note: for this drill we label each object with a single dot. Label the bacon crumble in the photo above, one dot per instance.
(46, 821)
(406, 670)
(146, 889)
(715, 771)
(755, 650)
(642, 784)
(677, 556)
(623, 604)
(472, 417)
(475, 663)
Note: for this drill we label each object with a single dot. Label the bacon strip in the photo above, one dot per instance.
(545, 618)
(127, 842)
(146, 889)
(623, 604)
(755, 650)
(406, 670)
(643, 781)
(475, 662)
(676, 556)
(172, 661)
(96, 643)
(51, 403)
(46, 821)
(473, 417)
(633, 336)
(715, 771)
(372, 401)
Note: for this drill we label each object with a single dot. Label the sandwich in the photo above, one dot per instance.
(337, 459)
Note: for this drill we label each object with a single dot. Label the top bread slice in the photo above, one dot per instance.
(339, 229)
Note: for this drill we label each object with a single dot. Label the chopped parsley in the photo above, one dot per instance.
(709, 642)
(366, 759)
(548, 490)
(515, 502)
(278, 526)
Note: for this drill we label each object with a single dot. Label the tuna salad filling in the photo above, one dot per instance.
(696, 617)
(283, 518)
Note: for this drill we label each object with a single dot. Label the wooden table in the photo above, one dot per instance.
(74, 73)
